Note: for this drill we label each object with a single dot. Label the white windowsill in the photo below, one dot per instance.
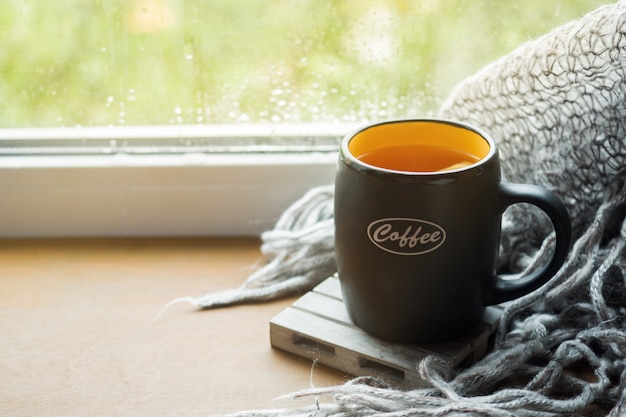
(155, 194)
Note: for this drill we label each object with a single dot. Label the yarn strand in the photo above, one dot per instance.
(300, 253)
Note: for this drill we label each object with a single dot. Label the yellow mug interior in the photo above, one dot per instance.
(419, 132)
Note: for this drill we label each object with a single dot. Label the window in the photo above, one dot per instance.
(195, 117)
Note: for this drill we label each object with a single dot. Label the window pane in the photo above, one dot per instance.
(138, 62)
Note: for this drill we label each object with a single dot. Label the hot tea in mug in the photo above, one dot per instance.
(419, 158)
(418, 206)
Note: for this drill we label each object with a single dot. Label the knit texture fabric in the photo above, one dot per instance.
(556, 107)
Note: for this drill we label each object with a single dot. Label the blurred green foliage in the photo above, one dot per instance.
(133, 62)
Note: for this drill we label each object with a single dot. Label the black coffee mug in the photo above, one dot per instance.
(418, 207)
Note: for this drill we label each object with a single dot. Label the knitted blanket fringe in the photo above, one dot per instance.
(557, 108)
(300, 250)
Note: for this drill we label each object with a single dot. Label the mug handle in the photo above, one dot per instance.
(509, 193)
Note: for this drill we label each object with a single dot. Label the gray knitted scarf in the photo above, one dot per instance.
(557, 108)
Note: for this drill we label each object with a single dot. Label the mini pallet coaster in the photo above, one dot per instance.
(317, 327)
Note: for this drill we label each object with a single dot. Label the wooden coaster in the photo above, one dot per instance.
(317, 327)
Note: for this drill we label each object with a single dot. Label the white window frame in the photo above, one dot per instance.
(220, 180)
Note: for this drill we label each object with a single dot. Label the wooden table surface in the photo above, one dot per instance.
(84, 333)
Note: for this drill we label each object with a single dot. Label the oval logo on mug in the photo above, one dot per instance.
(405, 236)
